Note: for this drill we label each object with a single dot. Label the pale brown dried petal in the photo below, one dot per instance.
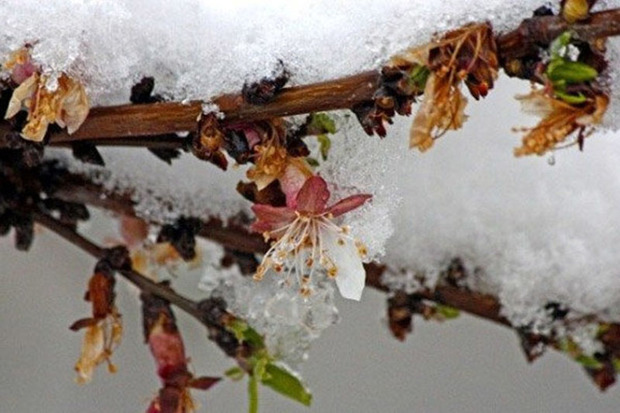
(100, 340)
(560, 120)
(20, 94)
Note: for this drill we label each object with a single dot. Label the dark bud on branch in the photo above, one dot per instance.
(265, 90)
(182, 236)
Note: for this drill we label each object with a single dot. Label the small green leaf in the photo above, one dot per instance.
(286, 384)
(571, 72)
(588, 362)
(616, 364)
(312, 161)
(322, 122)
(447, 312)
(324, 145)
(419, 75)
(558, 43)
(245, 333)
(570, 99)
(235, 373)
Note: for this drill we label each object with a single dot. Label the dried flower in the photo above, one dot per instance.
(66, 105)
(272, 159)
(207, 145)
(307, 240)
(100, 341)
(103, 330)
(560, 119)
(468, 54)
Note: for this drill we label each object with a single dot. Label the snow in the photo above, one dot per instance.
(530, 232)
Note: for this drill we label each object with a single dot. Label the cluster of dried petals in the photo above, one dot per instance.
(270, 156)
(307, 241)
(103, 330)
(560, 120)
(166, 345)
(469, 55)
(66, 105)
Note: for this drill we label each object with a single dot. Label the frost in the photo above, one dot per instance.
(198, 49)
(532, 232)
(289, 321)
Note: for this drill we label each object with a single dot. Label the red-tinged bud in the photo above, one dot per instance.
(101, 294)
(166, 345)
(167, 348)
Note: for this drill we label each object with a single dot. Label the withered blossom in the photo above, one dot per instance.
(560, 119)
(306, 239)
(208, 143)
(103, 330)
(66, 105)
(272, 158)
(467, 54)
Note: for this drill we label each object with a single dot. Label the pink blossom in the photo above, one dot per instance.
(306, 238)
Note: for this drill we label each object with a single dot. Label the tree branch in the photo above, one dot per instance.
(236, 237)
(210, 313)
(136, 121)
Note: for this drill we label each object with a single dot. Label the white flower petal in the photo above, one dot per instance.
(351, 276)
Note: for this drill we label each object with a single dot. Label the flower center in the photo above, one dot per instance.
(301, 249)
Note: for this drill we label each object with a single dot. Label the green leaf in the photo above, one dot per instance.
(312, 161)
(588, 362)
(558, 43)
(570, 99)
(419, 75)
(616, 364)
(571, 72)
(447, 312)
(286, 384)
(324, 145)
(322, 122)
(245, 333)
(235, 373)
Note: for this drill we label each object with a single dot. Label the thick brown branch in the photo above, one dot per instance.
(107, 123)
(236, 237)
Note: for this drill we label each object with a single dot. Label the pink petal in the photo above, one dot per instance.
(313, 196)
(347, 204)
(293, 179)
(269, 218)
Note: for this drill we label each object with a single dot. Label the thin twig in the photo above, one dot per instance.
(139, 280)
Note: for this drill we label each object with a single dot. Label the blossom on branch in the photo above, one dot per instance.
(560, 119)
(66, 104)
(307, 240)
(468, 55)
(103, 330)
